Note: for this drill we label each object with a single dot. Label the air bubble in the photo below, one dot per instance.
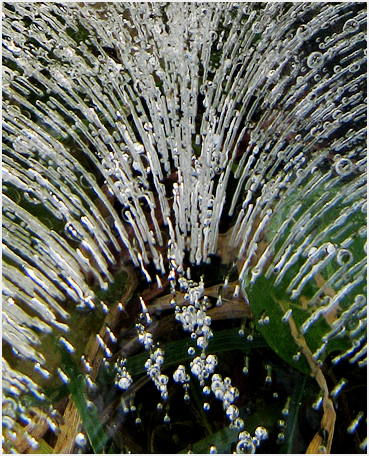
(281, 424)
(355, 423)
(303, 32)
(287, 316)
(63, 376)
(338, 388)
(261, 433)
(354, 67)
(297, 356)
(315, 60)
(343, 167)
(268, 378)
(245, 446)
(238, 423)
(138, 421)
(232, 412)
(363, 445)
(318, 402)
(80, 439)
(285, 411)
(280, 438)
(245, 369)
(344, 257)
(257, 27)
(351, 26)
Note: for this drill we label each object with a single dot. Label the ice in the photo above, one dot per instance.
(139, 139)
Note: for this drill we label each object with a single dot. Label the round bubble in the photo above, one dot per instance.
(245, 446)
(315, 60)
(125, 382)
(354, 67)
(261, 433)
(344, 256)
(351, 26)
(343, 166)
(80, 439)
(303, 32)
(257, 27)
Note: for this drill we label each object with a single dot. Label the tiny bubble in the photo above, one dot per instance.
(138, 421)
(280, 438)
(80, 439)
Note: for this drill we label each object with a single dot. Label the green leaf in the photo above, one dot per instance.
(270, 298)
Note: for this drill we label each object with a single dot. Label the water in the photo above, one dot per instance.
(189, 146)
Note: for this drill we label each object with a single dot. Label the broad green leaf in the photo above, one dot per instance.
(273, 298)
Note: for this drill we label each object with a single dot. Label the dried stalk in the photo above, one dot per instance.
(322, 441)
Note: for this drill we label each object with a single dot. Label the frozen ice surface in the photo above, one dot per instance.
(132, 131)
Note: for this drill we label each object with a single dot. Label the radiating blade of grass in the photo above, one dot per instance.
(177, 351)
(287, 447)
(43, 448)
(88, 415)
(224, 438)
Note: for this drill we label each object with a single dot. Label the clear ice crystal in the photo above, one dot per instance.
(137, 139)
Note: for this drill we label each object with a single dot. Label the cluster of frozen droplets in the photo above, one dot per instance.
(130, 130)
(247, 444)
(153, 368)
(225, 392)
(123, 378)
(193, 315)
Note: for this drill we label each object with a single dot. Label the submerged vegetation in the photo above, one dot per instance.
(184, 227)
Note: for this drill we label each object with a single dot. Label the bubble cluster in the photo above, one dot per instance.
(193, 316)
(202, 368)
(153, 368)
(247, 444)
(123, 378)
(225, 392)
